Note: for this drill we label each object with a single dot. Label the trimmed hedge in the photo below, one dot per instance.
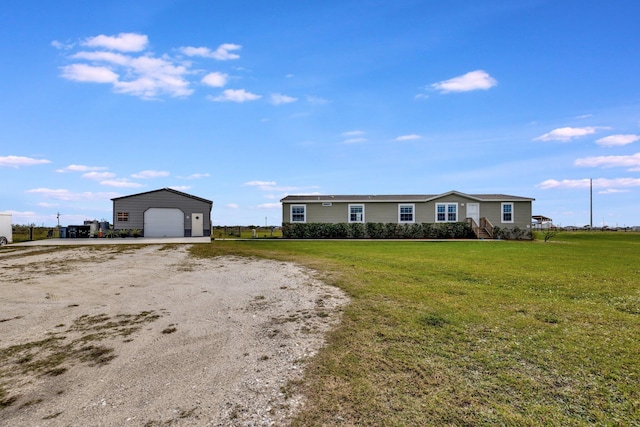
(374, 230)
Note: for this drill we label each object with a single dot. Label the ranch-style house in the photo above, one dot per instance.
(481, 211)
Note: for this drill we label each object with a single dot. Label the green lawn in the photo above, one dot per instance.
(474, 332)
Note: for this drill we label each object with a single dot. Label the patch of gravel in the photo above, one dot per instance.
(190, 342)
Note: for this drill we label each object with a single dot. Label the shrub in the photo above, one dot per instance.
(340, 231)
(391, 231)
(356, 230)
(459, 230)
(375, 230)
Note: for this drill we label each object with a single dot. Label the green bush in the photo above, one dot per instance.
(375, 230)
(356, 230)
(456, 230)
(391, 231)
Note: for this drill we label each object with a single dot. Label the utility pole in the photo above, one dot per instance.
(58, 216)
(590, 203)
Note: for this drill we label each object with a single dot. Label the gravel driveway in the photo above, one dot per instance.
(146, 336)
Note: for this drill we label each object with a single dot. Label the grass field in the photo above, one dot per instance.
(474, 332)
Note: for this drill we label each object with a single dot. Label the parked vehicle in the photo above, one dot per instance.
(6, 232)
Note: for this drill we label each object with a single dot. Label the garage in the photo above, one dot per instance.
(163, 222)
(163, 213)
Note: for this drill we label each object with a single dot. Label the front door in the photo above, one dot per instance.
(473, 211)
(197, 225)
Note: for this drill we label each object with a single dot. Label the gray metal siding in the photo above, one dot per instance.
(136, 205)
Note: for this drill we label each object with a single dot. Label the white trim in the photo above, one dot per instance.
(291, 213)
(349, 212)
(446, 211)
(413, 213)
(502, 205)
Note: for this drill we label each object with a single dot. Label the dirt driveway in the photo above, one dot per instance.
(148, 336)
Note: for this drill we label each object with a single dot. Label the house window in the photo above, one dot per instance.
(507, 212)
(446, 212)
(356, 213)
(298, 213)
(122, 217)
(406, 213)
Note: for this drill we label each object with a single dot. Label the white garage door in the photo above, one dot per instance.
(163, 222)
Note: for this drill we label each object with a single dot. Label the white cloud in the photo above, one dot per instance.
(222, 53)
(613, 191)
(566, 134)
(235, 95)
(261, 184)
(353, 137)
(17, 161)
(89, 73)
(66, 195)
(98, 176)
(617, 140)
(354, 140)
(62, 46)
(154, 77)
(102, 56)
(120, 182)
(473, 80)
(141, 74)
(632, 162)
(215, 79)
(278, 98)
(124, 42)
(232, 206)
(81, 168)
(148, 174)
(408, 137)
(585, 183)
(353, 133)
(315, 100)
(146, 76)
(180, 187)
(421, 96)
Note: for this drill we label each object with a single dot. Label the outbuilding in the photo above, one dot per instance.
(163, 213)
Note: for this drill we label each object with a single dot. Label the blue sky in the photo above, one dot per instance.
(244, 102)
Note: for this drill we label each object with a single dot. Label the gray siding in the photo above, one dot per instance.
(425, 212)
(137, 205)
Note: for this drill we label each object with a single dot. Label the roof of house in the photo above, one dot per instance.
(402, 198)
(170, 190)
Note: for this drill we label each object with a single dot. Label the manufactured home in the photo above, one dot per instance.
(482, 211)
(163, 213)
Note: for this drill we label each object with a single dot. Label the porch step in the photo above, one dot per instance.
(482, 234)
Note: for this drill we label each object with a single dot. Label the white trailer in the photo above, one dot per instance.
(6, 232)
